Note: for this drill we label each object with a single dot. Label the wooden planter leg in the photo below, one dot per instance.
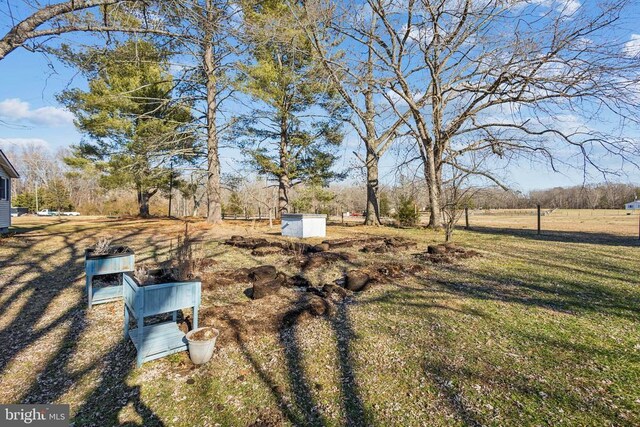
(89, 287)
(126, 322)
(141, 349)
(195, 317)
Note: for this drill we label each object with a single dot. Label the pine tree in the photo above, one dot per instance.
(292, 136)
(133, 127)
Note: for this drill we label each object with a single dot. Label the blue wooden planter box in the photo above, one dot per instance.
(158, 340)
(96, 265)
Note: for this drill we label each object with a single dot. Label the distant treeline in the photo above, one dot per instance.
(595, 196)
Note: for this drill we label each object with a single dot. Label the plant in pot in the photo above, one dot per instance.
(202, 342)
(106, 259)
(153, 292)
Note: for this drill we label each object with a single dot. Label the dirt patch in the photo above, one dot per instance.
(225, 277)
(362, 279)
(389, 245)
(105, 280)
(266, 250)
(349, 242)
(204, 334)
(268, 287)
(320, 259)
(268, 419)
(262, 273)
(267, 315)
(262, 247)
(357, 280)
(447, 253)
(267, 280)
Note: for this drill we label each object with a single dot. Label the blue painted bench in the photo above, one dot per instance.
(158, 340)
(97, 265)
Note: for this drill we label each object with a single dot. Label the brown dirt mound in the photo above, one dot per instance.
(447, 253)
(266, 250)
(262, 273)
(265, 288)
(362, 279)
(389, 245)
(348, 242)
(263, 247)
(357, 280)
(320, 259)
(226, 277)
(239, 322)
(204, 334)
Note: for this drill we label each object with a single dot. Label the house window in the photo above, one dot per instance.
(4, 189)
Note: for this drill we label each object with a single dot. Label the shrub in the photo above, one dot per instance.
(406, 212)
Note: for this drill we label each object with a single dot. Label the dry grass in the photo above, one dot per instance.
(540, 330)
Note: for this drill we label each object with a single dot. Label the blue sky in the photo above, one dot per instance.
(30, 114)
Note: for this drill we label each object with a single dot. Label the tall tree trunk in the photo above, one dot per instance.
(433, 188)
(283, 179)
(372, 214)
(143, 203)
(283, 195)
(214, 212)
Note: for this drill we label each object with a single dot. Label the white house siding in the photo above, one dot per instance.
(5, 206)
(633, 205)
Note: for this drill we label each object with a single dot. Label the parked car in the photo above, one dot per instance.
(19, 211)
(46, 212)
(70, 213)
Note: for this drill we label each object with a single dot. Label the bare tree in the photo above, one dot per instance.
(509, 79)
(74, 16)
(343, 38)
(201, 31)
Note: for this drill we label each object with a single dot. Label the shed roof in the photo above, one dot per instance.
(7, 166)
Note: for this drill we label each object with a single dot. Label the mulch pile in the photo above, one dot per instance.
(263, 247)
(278, 299)
(447, 253)
(204, 334)
(320, 259)
(389, 245)
(361, 279)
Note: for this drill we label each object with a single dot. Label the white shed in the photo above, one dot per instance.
(632, 205)
(304, 225)
(7, 171)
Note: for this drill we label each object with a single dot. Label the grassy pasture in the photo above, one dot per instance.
(540, 330)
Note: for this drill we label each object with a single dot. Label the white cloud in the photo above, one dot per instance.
(568, 7)
(17, 110)
(565, 8)
(23, 142)
(399, 101)
(632, 47)
(421, 35)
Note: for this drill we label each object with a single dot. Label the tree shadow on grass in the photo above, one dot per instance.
(303, 408)
(573, 296)
(53, 269)
(112, 394)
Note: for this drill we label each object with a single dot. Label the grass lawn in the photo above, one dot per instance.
(539, 330)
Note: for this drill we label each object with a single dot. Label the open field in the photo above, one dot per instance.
(539, 330)
(599, 221)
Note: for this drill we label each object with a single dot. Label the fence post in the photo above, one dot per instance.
(466, 218)
(538, 219)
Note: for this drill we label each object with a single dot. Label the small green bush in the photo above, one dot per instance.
(406, 212)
